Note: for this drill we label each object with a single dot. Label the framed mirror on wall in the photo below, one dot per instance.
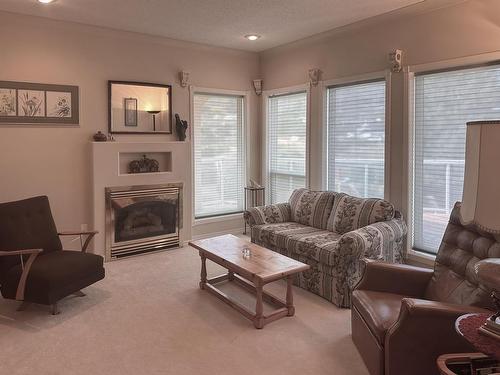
(139, 108)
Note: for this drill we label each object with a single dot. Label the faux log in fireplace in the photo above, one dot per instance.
(142, 219)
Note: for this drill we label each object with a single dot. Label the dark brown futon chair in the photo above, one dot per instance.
(403, 317)
(33, 266)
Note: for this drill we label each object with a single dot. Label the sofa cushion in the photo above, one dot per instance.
(379, 310)
(311, 207)
(321, 246)
(351, 213)
(277, 234)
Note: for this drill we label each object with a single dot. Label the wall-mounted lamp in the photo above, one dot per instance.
(183, 78)
(257, 85)
(314, 76)
(396, 60)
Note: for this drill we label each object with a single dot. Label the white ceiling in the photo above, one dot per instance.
(215, 22)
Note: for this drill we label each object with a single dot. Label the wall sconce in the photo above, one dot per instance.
(396, 60)
(314, 75)
(183, 78)
(257, 85)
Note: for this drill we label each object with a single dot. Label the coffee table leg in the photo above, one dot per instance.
(259, 309)
(203, 280)
(289, 296)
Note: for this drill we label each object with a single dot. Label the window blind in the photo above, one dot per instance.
(356, 139)
(219, 162)
(287, 137)
(444, 103)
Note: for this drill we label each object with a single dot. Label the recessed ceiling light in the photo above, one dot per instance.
(46, 1)
(252, 37)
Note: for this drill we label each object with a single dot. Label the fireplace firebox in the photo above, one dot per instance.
(142, 219)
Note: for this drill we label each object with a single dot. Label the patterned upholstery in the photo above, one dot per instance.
(273, 213)
(334, 257)
(311, 207)
(351, 213)
(454, 279)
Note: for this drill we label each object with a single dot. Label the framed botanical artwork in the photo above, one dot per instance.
(130, 106)
(37, 103)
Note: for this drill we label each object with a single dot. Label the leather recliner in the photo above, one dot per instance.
(403, 317)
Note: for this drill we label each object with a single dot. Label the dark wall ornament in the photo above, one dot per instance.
(144, 165)
(180, 127)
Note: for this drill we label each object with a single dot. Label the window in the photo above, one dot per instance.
(356, 139)
(287, 138)
(444, 103)
(219, 162)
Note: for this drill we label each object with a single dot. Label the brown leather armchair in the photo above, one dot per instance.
(403, 317)
(33, 266)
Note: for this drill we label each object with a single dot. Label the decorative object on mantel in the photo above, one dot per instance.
(257, 85)
(396, 60)
(37, 103)
(180, 127)
(315, 76)
(100, 137)
(131, 105)
(183, 78)
(144, 165)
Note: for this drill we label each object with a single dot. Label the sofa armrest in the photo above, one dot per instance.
(270, 214)
(383, 240)
(424, 330)
(395, 278)
(89, 234)
(26, 266)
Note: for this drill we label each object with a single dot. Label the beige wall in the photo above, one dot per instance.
(470, 28)
(55, 160)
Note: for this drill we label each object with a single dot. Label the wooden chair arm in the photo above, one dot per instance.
(90, 234)
(21, 286)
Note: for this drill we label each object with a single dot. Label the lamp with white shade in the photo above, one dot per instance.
(481, 195)
(481, 202)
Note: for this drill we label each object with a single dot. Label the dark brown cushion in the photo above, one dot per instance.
(26, 224)
(379, 310)
(54, 275)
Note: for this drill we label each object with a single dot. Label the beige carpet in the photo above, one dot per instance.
(149, 317)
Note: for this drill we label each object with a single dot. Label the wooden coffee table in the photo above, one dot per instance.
(263, 266)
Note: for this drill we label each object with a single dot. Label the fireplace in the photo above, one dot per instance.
(141, 219)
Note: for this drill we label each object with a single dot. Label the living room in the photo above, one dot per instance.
(172, 142)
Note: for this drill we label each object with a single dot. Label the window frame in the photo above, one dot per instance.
(193, 90)
(265, 137)
(410, 72)
(386, 76)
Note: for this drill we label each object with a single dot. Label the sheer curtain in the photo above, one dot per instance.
(219, 160)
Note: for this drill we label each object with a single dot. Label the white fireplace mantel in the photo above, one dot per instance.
(107, 172)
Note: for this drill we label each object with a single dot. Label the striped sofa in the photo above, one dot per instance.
(331, 232)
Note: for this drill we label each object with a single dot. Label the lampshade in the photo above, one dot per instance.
(481, 195)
